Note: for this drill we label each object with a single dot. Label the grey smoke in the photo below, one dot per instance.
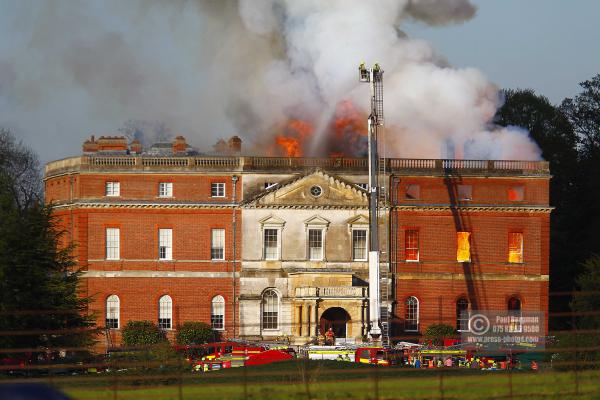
(212, 69)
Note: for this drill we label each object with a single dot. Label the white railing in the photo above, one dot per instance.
(331, 291)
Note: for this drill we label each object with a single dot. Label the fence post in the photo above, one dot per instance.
(375, 382)
(245, 369)
(441, 387)
(180, 380)
(574, 327)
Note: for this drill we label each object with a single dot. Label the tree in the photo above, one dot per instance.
(586, 302)
(142, 333)
(190, 333)
(583, 112)
(39, 297)
(438, 332)
(551, 128)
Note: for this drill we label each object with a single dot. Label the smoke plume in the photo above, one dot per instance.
(212, 69)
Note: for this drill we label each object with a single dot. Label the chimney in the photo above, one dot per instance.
(90, 145)
(135, 147)
(112, 143)
(235, 144)
(179, 145)
(220, 147)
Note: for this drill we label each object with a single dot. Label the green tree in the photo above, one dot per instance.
(586, 302)
(436, 333)
(551, 128)
(142, 333)
(190, 333)
(39, 297)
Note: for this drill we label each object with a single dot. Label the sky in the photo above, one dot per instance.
(70, 68)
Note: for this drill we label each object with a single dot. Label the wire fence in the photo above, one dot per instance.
(568, 366)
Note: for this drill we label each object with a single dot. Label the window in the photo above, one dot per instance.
(112, 244)
(413, 192)
(165, 312)
(462, 315)
(217, 189)
(411, 245)
(217, 313)
(270, 309)
(516, 193)
(463, 251)
(271, 244)
(315, 244)
(165, 244)
(112, 312)
(165, 189)
(514, 312)
(113, 189)
(465, 192)
(217, 244)
(359, 244)
(515, 247)
(411, 314)
(269, 185)
(364, 186)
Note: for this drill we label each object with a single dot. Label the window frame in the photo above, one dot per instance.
(277, 243)
(110, 312)
(406, 248)
(462, 322)
(521, 250)
(112, 188)
(212, 244)
(462, 187)
(271, 293)
(366, 246)
(116, 244)
(165, 189)
(168, 246)
(218, 301)
(519, 190)
(417, 306)
(469, 239)
(515, 327)
(215, 189)
(407, 188)
(309, 247)
(167, 308)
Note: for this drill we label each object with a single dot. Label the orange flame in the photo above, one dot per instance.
(291, 142)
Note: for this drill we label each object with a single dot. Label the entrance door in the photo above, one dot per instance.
(335, 318)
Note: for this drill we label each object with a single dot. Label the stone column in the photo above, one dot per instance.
(317, 317)
(305, 320)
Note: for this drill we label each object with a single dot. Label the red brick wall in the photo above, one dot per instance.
(139, 298)
(435, 190)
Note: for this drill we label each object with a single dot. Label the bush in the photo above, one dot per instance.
(191, 333)
(142, 333)
(437, 332)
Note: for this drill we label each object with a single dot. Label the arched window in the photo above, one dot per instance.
(165, 312)
(113, 306)
(514, 312)
(270, 309)
(411, 314)
(217, 313)
(462, 314)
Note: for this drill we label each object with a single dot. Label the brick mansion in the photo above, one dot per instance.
(263, 248)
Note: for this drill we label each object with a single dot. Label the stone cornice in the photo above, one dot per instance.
(142, 205)
(403, 276)
(475, 208)
(156, 274)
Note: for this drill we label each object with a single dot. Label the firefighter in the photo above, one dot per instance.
(534, 365)
(330, 337)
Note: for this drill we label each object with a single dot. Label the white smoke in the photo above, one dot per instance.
(428, 104)
(212, 69)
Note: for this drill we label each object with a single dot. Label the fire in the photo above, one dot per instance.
(292, 141)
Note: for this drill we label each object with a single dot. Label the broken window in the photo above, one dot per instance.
(463, 252)
(515, 247)
(516, 193)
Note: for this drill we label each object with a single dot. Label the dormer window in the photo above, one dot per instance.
(270, 185)
(363, 186)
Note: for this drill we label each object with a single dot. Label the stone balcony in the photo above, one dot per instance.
(348, 292)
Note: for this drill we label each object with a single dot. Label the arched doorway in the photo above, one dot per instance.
(336, 318)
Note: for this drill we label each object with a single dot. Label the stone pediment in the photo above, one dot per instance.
(271, 221)
(317, 221)
(314, 190)
(359, 220)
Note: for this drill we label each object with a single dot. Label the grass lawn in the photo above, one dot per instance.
(303, 379)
